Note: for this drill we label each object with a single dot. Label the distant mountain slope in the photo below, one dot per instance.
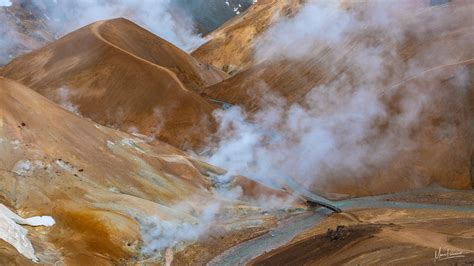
(231, 46)
(430, 62)
(208, 15)
(121, 75)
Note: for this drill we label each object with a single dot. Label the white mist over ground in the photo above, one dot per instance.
(160, 17)
(5, 3)
(202, 214)
(158, 234)
(58, 17)
(177, 21)
(64, 95)
(345, 128)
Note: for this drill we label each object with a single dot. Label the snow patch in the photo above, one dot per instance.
(16, 235)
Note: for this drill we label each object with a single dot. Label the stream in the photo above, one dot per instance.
(290, 228)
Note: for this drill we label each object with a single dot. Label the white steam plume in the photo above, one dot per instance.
(160, 17)
(35, 22)
(5, 3)
(177, 21)
(158, 234)
(346, 127)
(64, 96)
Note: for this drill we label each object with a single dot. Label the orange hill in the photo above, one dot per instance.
(231, 46)
(99, 184)
(294, 78)
(121, 75)
(438, 158)
(95, 181)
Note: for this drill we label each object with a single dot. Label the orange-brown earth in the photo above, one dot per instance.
(441, 51)
(231, 46)
(99, 184)
(121, 75)
(385, 236)
(373, 236)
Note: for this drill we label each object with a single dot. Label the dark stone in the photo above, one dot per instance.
(337, 234)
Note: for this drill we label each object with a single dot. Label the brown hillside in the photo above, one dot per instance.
(294, 78)
(441, 52)
(231, 46)
(99, 184)
(121, 75)
(88, 177)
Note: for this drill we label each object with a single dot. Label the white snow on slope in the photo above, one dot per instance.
(15, 235)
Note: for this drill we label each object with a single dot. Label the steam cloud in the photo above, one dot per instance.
(177, 21)
(158, 234)
(5, 3)
(64, 96)
(164, 18)
(346, 127)
(161, 17)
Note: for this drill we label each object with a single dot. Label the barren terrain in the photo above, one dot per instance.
(299, 133)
